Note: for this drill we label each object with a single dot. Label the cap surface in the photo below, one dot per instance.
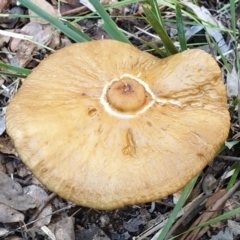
(104, 124)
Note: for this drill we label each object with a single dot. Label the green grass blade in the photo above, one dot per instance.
(223, 58)
(55, 22)
(108, 24)
(233, 178)
(153, 21)
(156, 11)
(218, 219)
(16, 75)
(151, 45)
(224, 216)
(18, 70)
(76, 30)
(233, 23)
(177, 208)
(180, 28)
(159, 51)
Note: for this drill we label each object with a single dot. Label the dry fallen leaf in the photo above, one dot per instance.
(47, 7)
(9, 215)
(4, 40)
(30, 29)
(3, 4)
(48, 232)
(10, 22)
(64, 229)
(213, 199)
(133, 224)
(6, 146)
(210, 24)
(71, 2)
(24, 53)
(3, 231)
(26, 49)
(232, 83)
(234, 227)
(2, 118)
(93, 232)
(208, 184)
(223, 235)
(39, 195)
(12, 194)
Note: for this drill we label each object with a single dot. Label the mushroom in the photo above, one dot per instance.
(105, 125)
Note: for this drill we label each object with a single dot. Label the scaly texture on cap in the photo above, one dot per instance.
(104, 124)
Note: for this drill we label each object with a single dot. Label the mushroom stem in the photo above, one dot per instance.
(127, 96)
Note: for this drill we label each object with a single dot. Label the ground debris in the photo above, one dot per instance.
(64, 229)
(223, 235)
(12, 194)
(9, 215)
(92, 233)
(39, 195)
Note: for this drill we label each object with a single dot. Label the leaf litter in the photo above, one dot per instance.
(25, 202)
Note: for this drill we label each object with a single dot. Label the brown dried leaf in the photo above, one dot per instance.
(12, 194)
(26, 49)
(2, 165)
(39, 195)
(133, 224)
(4, 40)
(223, 235)
(6, 146)
(213, 199)
(30, 29)
(47, 7)
(9, 215)
(208, 184)
(64, 229)
(55, 41)
(24, 53)
(3, 231)
(45, 36)
(93, 232)
(234, 227)
(72, 2)
(3, 4)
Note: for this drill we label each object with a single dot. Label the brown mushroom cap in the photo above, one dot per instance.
(104, 124)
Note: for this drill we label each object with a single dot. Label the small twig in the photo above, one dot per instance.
(26, 225)
(76, 11)
(42, 206)
(195, 204)
(210, 213)
(167, 204)
(24, 182)
(76, 212)
(229, 158)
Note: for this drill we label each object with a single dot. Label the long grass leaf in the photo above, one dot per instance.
(224, 216)
(108, 24)
(76, 30)
(151, 45)
(233, 178)
(180, 28)
(153, 21)
(55, 22)
(15, 75)
(177, 208)
(156, 11)
(233, 23)
(18, 70)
